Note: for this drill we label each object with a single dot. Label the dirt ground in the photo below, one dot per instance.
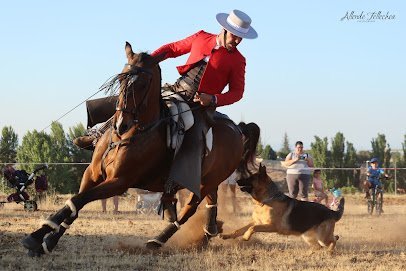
(107, 241)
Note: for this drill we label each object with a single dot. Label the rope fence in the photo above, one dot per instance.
(86, 163)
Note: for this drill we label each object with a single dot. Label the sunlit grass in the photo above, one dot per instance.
(107, 241)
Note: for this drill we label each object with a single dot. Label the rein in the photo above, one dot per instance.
(141, 130)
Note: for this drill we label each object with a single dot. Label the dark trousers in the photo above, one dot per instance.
(186, 169)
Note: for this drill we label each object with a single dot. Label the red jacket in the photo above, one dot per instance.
(224, 68)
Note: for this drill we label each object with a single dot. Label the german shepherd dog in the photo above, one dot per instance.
(276, 212)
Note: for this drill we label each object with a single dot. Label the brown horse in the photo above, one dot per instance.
(134, 154)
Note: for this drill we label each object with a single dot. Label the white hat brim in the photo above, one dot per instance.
(222, 20)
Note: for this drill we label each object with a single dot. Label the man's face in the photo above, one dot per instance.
(232, 41)
(299, 148)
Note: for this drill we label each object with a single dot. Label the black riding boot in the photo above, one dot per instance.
(89, 141)
(168, 208)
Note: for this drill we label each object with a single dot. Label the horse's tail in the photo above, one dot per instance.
(251, 133)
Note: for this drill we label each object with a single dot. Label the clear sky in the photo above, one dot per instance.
(308, 73)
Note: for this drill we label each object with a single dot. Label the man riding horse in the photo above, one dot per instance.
(213, 63)
(134, 152)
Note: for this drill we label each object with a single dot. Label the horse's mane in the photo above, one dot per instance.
(112, 86)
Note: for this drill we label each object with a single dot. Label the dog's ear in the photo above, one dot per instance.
(262, 170)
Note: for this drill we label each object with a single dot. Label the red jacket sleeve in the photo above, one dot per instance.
(235, 86)
(176, 48)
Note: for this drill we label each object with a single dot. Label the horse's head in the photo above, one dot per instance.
(140, 84)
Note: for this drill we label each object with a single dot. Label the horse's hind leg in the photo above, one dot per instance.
(187, 211)
(210, 229)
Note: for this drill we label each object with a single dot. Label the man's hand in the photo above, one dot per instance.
(203, 98)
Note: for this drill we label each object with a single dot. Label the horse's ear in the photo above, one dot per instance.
(128, 50)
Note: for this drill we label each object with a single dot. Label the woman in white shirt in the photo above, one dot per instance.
(299, 172)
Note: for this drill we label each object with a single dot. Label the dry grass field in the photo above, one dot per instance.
(107, 241)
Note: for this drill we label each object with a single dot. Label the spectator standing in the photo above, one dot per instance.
(299, 166)
(104, 205)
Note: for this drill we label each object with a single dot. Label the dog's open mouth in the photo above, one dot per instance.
(246, 188)
(245, 185)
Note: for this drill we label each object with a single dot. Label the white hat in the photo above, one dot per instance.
(238, 23)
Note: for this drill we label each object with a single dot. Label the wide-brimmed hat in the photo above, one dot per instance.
(238, 23)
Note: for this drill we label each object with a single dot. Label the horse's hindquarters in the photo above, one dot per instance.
(225, 155)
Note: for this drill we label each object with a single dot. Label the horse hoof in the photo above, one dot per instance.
(206, 240)
(36, 253)
(31, 243)
(153, 244)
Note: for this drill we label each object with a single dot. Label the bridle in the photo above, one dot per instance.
(131, 77)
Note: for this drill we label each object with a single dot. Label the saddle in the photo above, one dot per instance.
(181, 120)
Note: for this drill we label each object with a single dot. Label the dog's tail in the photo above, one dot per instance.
(340, 210)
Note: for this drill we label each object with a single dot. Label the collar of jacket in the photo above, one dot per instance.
(209, 47)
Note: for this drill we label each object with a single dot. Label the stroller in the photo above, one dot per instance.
(147, 202)
(20, 180)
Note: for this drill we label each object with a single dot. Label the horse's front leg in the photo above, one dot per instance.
(51, 240)
(59, 222)
(55, 226)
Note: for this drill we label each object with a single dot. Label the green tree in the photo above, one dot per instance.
(404, 150)
(78, 155)
(260, 147)
(378, 147)
(337, 150)
(350, 158)
(350, 161)
(320, 152)
(337, 158)
(363, 156)
(8, 145)
(401, 174)
(285, 150)
(265, 152)
(36, 147)
(62, 175)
